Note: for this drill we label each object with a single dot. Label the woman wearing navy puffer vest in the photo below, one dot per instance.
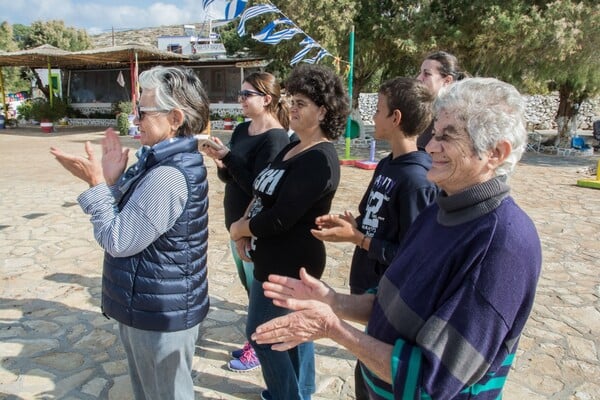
(151, 220)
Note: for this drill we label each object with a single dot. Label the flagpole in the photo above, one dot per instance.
(132, 81)
(347, 159)
(50, 89)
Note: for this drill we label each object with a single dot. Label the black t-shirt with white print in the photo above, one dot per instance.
(289, 195)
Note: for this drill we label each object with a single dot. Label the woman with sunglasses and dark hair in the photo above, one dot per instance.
(152, 222)
(252, 147)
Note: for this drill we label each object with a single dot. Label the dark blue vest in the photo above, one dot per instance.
(165, 287)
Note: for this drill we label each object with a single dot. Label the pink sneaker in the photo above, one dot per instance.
(239, 352)
(247, 362)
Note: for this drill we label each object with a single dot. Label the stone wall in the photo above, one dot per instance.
(539, 114)
(93, 122)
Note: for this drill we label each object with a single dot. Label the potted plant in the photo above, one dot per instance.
(228, 121)
(47, 114)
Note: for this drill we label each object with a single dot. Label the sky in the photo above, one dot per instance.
(100, 16)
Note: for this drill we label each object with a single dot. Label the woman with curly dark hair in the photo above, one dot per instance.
(289, 194)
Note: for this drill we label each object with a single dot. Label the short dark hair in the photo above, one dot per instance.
(324, 88)
(413, 99)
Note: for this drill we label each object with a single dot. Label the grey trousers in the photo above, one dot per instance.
(160, 363)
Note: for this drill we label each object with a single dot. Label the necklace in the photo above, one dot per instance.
(299, 148)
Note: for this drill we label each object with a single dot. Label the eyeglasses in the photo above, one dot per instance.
(141, 111)
(244, 94)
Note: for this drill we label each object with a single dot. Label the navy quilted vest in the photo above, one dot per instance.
(165, 287)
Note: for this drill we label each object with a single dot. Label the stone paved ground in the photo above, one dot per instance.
(54, 343)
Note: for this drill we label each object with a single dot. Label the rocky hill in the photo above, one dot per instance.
(145, 36)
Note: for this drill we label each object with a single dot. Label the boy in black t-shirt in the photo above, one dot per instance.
(397, 193)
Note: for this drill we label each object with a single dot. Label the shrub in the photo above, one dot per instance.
(24, 111)
(123, 123)
(123, 109)
(42, 110)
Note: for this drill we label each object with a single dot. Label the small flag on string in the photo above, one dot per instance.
(252, 12)
(322, 53)
(269, 36)
(120, 79)
(308, 44)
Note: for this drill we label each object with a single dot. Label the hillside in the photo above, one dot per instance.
(145, 36)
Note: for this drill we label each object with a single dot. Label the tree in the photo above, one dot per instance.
(533, 45)
(384, 47)
(571, 62)
(56, 34)
(11, 75)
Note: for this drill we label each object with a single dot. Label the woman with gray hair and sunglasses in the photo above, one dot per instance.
(154, 280)
(447, 316)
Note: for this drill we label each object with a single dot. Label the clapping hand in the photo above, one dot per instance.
(335, 228)
(114, 157)
(313, 317)
(88, 169)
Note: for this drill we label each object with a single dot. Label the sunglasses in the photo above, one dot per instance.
(142, 111)
(244, 94)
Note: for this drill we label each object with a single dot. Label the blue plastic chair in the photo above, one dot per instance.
(577, 142)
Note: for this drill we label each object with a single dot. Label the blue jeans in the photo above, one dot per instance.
(289, 375)
(160, 363)
(245, 269)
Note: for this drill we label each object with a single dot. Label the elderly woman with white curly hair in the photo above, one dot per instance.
(448, 313)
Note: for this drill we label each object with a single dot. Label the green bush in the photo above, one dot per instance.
(123, 123)
(123, 109)
(42, 110)
(24, 110)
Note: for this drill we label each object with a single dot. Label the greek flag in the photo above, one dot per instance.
(226, 10)
(268, 37)
(254, 12)
(206, 4)
(234, 8)
(309, 44)
(322, 53)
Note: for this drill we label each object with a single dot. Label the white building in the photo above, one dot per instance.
(194, 42)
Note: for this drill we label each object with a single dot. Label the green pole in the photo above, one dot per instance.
(350, 74)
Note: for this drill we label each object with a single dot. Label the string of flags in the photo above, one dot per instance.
(276, 31)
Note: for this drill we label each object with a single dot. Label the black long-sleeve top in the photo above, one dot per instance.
(289, 196)
(248, 156)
